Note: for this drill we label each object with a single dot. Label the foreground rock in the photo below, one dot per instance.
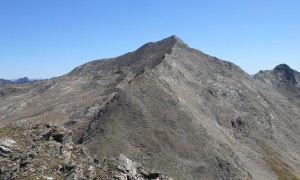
(45, 151)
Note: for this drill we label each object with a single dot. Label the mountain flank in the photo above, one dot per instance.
(172, 108)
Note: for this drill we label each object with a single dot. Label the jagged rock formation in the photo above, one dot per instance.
(172, 108)
(45, 151)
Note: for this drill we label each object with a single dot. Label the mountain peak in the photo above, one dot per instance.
(282, 67)
(286, 72)
(146, 56)
(174, 40)
(22, 80)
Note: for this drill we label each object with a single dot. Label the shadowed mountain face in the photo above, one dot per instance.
(172, 108)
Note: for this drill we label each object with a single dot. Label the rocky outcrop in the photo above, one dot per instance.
(122, 168)
(45, 151)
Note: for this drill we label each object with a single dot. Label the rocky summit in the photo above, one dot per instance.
(164, 106)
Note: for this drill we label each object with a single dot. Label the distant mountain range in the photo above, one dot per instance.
(23, 80)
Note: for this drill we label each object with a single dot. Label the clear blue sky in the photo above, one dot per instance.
(46, 38)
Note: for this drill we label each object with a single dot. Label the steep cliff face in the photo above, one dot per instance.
(172, 108)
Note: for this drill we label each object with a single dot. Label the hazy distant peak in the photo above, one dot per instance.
(22, 80)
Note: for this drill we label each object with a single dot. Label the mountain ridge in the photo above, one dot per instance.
(210, 91)
(160, 48)
(172, 108)
(284, 79)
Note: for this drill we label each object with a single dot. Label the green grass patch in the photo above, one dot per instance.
(276, 163)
